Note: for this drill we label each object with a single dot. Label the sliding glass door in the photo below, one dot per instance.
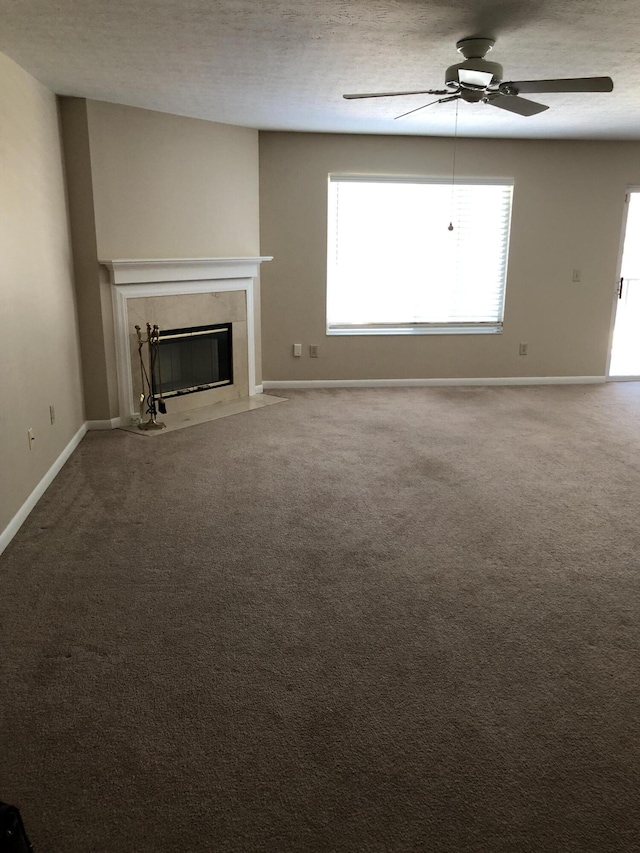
(625, 349)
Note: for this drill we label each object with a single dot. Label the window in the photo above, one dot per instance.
(394, 267)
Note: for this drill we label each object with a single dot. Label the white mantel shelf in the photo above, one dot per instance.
(148, 270)
(138, 277)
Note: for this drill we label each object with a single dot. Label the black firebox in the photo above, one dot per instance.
(193, 359)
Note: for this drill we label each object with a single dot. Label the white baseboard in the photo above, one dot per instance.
(411, 383)
(112, 423)
(259, 389)
(21, 516)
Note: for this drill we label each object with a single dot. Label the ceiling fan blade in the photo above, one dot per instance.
(430, 104)
(395, 94)
(513, 104)
(573, 84)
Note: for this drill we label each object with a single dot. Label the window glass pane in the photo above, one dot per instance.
(392, 259)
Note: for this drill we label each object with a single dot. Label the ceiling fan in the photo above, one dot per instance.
(476, 79)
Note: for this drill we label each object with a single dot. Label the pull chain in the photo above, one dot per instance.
(453, 170)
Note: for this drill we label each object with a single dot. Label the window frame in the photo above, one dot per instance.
(420, 328)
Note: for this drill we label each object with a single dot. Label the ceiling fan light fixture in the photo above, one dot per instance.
(474, 74)
(475, 79)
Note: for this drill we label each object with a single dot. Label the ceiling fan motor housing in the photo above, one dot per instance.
(475, 74)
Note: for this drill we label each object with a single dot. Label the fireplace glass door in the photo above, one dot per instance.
(193, 359)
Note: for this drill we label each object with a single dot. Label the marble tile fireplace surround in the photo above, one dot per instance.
(178, 293)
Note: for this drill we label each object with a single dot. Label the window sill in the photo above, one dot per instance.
(422, 329)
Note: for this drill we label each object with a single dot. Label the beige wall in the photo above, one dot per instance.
(567, 213)
(165, 186)
(172, 187)
(92, 287)
(39, 349)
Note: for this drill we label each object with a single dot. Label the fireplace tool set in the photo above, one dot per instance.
(151, 401)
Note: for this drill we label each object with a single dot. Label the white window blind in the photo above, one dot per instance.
(394, 267)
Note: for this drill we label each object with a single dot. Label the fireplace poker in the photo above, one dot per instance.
(148, 381)
(142, 372)
(161, 404)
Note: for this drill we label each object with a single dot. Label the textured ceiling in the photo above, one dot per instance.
(280, 65)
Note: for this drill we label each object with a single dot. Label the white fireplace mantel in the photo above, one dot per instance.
(132, 278)
(143, 271)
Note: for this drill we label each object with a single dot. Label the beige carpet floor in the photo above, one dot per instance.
(362, 621)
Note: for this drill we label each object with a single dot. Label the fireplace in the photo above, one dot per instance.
(185, 293)
(193, 359)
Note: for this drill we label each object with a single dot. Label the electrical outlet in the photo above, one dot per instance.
(577, 275)
(313, 351)
(524, 349)
(297, 350)
(31, 437)
(52, 414)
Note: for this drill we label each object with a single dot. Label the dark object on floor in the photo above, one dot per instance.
(13, 837)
